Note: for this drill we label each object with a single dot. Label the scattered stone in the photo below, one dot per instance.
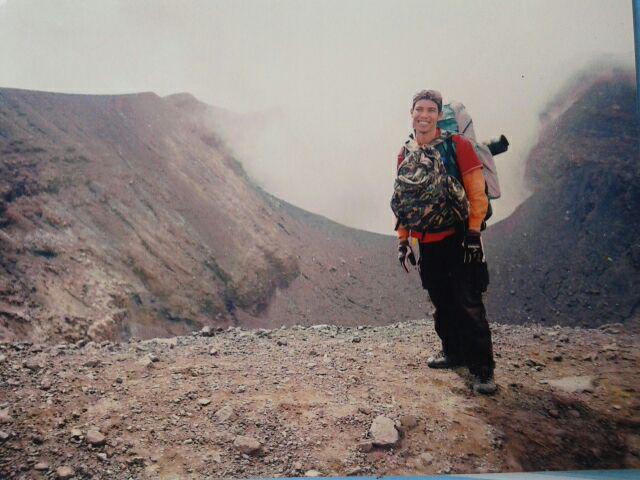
(247, 445)
(2, 358)
(93, 363)
(224, 414)
(383, 432)
(41, 466)
(65, 472)
(312, 473)
(364, 410)
(281, 342)
(574, 413)
(573, 384)
(213, 352)
(34, 364)
(146, 361)
(206, 331)
(356, 339)
(76, 433)
(204, 401)
(425, 458)
(557, 358)
(103, 456)
(554, 413)
(5, 417)
(365, 446)
(530, 362)
(408, 421)
(4, 436)
(136, 460)
(95, 438)
(45, 384)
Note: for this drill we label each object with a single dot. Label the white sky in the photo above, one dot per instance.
(334, 76)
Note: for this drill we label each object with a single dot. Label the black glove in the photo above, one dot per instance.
(405, 253)
(472, 247)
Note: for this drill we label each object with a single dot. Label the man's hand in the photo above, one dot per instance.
(405, 253)
(472, 246)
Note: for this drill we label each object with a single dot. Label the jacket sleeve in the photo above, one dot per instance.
(478, 202)
(470, 168)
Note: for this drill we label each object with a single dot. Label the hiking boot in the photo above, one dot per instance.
(484, 385)
(443, 362)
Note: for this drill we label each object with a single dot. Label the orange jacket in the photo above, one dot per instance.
(473, 181)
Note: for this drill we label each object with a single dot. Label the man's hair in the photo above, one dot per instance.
(433, 95)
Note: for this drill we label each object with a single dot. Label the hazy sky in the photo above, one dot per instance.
(335, 77)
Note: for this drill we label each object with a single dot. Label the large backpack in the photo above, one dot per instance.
(456, 119)
(426, 197)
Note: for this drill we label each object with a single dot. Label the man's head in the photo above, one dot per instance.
(433, 95)
(425, 113)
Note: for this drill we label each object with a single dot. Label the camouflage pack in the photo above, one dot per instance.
(425, 196)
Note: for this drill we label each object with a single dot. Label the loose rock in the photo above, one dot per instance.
(224, 414)
(425, 458)
(365, 447)
(34, 364)
(247, 445)
(206, 331)
(408, 421)
(65, 472)
(5, 417)
(95, 438)
(573, 384)
(383, 432)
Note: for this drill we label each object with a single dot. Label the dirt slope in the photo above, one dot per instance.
(126, 216)
(307, 397)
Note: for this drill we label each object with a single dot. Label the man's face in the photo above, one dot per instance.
(425, 116)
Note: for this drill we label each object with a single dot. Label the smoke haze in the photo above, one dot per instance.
(323, 88)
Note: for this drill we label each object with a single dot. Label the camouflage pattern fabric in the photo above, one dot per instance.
(425, 197)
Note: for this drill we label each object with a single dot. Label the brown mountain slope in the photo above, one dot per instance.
(126, 216)
(570, 254)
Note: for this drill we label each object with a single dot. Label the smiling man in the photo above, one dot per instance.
(452, 264)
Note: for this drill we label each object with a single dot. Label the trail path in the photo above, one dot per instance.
(302, 400)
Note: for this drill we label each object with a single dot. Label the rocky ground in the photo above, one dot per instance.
(317, 400)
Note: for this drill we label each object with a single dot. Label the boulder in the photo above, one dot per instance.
(383, 432)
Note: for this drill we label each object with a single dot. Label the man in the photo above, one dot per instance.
(452, 265)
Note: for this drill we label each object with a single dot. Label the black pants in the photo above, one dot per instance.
(456, 291)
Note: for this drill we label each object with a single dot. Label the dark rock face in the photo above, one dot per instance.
(570, 254)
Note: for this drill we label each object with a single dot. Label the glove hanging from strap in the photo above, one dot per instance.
(405, 253)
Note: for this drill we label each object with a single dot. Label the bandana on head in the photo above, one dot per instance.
(433, 95)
